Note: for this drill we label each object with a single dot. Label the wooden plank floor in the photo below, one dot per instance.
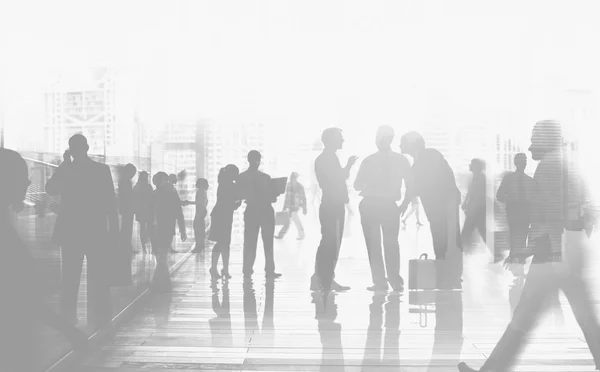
(281, 326)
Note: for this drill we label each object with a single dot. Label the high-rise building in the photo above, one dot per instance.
(97, 103)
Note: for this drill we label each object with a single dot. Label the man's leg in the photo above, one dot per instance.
(251, 227)
(72, 262)
(369, 219)
(99, 299)
(298, 224)
(391, 229)
(267, 230)
(468, 229)
(340, 215)
(284, 229)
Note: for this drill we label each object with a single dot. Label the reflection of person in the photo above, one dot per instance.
(332, 180)
(22, 302)
(448, 336)
(220, 325)
(330, 332)
(435, 184)
(295, 200)
(379, 180)
(87, 226)
(255, 187)
(562, 221)
(143, 207)
(373, 355)
(222, 220)
(474, 204)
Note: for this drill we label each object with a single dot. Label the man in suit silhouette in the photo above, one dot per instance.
(87, 225)
(255, 187)
(435, 184)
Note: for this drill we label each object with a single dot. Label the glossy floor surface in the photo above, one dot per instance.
(282, 326)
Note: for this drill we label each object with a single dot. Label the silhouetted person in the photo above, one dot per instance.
(379, 181)
(516, 191)
(415, 208)
(330, 332)
(474, 204)
(435, 184)
(256, 188)
(22, 302)
(332, 213)
(126, 204)
(173, 179)
(222, 220)
(295, 200)
(201, 204)
(168, 213)
(562, 219)
(87, 225)
(142, 193)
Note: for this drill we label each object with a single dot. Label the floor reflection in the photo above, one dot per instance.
(330, 332)
(220, 325)
(383, 350)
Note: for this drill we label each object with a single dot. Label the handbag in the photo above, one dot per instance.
(281, 218)
(422, 273)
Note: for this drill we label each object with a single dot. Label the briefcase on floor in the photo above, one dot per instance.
(422, 273)
(281, 218)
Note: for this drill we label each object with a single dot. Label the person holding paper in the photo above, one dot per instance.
(259, 192)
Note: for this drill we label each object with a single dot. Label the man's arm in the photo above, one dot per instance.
(360, 181)
(110, 201)
(55, 184)
(502, 193)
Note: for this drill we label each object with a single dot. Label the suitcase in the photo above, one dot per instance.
(422, 273)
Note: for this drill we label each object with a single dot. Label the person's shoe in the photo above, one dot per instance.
(463, 367)
(378, 287)
(398, 285)
(272, 275)
(419, 224)
(335, 286)
(300, 237)
(225, 274)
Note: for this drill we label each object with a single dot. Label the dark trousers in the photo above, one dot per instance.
(544, 279)
(518, 232)
(98, 292)
(332, 217)
(161, 281)
(200, 232)
(258, 219)
(379, 217)
(126, 230)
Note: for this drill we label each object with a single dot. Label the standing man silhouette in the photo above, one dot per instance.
(256, 188)
(87, 225)
(332, 211)
(435, 184)
(379, 181)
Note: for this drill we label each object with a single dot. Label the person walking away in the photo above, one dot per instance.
(379, 180)
(332, 213)
(562, 219)
(295, 200)
(222, 220)
(474, 204)
(142, 196)
(168, 213)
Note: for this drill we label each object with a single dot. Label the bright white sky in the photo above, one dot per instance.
(309, 64)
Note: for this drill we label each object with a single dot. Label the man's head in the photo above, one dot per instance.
(254, 158)
(332, 139)
(15, 178)
(78, 146)
(202, 183)
(385, 136)
(294, 176)
(172, 178)
(130, 171)
(520, 161)
(143, 177)
(546, 137)
(412, 143)
(477, 165)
